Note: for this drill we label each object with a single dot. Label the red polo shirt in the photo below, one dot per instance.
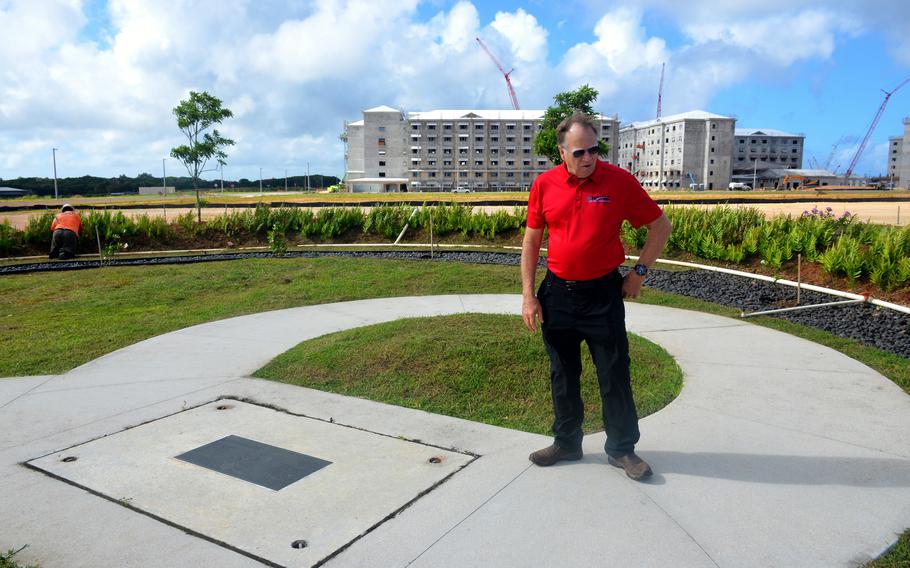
(584, 217)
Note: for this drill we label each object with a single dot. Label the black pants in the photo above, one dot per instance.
(63, 244)
(591, 311)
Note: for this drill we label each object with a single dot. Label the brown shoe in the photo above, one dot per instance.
(635, 467)
(553, 454)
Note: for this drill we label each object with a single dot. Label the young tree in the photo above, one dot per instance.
(194, 117)
(579, 100)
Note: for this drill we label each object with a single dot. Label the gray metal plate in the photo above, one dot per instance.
(262, 464)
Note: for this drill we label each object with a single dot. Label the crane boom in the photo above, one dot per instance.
(505, 74)
(660, 89)
(878, 115)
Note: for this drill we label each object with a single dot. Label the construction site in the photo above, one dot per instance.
(473, 150)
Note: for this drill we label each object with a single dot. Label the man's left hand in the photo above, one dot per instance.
(631, 285)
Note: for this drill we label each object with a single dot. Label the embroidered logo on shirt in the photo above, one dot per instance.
(598, 199)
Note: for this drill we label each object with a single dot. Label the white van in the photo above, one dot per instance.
(737, 186)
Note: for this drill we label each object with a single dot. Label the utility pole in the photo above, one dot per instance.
(222, 178)
(54, 152)
(163, 178)
(285, 180)
(260, 181)
(754, 171)
(307, 176)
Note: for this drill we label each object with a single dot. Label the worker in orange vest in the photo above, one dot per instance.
(66, 228)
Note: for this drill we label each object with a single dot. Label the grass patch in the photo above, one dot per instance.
(7, 560)
(480, 367)
(897, 557)
(52, 322)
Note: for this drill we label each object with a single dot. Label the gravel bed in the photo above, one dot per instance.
(879, 327)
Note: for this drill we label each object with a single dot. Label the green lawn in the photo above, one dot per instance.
(481, 367)
(51, 322)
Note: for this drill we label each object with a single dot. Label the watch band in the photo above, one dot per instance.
(640, 269)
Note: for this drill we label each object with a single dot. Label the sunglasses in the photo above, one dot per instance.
(593, 150)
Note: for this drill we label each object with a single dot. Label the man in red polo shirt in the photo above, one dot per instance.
(583, 203)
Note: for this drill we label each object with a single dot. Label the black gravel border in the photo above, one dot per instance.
(872, 325)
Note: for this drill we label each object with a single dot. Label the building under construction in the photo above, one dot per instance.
(449, 150)
(689, 150)
(899, 157)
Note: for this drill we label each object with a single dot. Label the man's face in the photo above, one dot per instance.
(579, 137)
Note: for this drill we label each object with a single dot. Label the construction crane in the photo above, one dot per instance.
(831, 155)
(878, 115)
(504, 74)
(660, 89)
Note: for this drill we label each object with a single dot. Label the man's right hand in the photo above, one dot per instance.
(531, 312)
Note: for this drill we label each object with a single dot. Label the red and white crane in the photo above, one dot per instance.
(504, 74)
(878, 115)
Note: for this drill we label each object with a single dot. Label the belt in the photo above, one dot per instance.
(583, 284)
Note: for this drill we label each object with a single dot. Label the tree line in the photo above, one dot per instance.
(92, 185)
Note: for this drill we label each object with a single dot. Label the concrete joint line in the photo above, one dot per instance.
(28, 392)
(469, 515)
(115, 415)
(770, 367)
(675, 522)
(147, 382)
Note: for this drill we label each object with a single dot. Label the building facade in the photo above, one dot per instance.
(899, 157)
(895, 151)
(692, 149)
(448, 150)
(759, 149)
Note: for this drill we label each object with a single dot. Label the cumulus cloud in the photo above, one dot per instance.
(293, 73)
(527, 38)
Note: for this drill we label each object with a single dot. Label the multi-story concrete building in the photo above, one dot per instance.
(899, 157)
(446, 150)
(760, 149)
(895, 151)
(680, 150)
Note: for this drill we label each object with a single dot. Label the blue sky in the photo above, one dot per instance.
(97, 79)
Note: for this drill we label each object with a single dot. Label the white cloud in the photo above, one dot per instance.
(293, 72)
(620, 63)
(779, 38)
(527, 38)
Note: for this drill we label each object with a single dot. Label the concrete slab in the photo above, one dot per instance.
(779, 452)
(761, 495)
(46, 413)
(67, 527)
(370, 478)
(14, 387)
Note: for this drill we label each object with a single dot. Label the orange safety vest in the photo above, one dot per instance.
(67, 220)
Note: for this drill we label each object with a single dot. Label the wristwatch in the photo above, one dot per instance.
(640, 269)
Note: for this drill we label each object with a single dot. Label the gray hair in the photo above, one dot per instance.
(576, 118)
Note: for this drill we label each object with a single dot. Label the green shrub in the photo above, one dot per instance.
(333, 222)
(277, 241)
(10, 239)
(387, 220)
(233, 223)
(38, 229)
(155, 228)
(887, 260)
(844, 258)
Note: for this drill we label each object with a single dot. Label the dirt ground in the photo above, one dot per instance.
(888, 213)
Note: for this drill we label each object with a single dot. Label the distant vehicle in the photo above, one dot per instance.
(737, 186)
(462, 190)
